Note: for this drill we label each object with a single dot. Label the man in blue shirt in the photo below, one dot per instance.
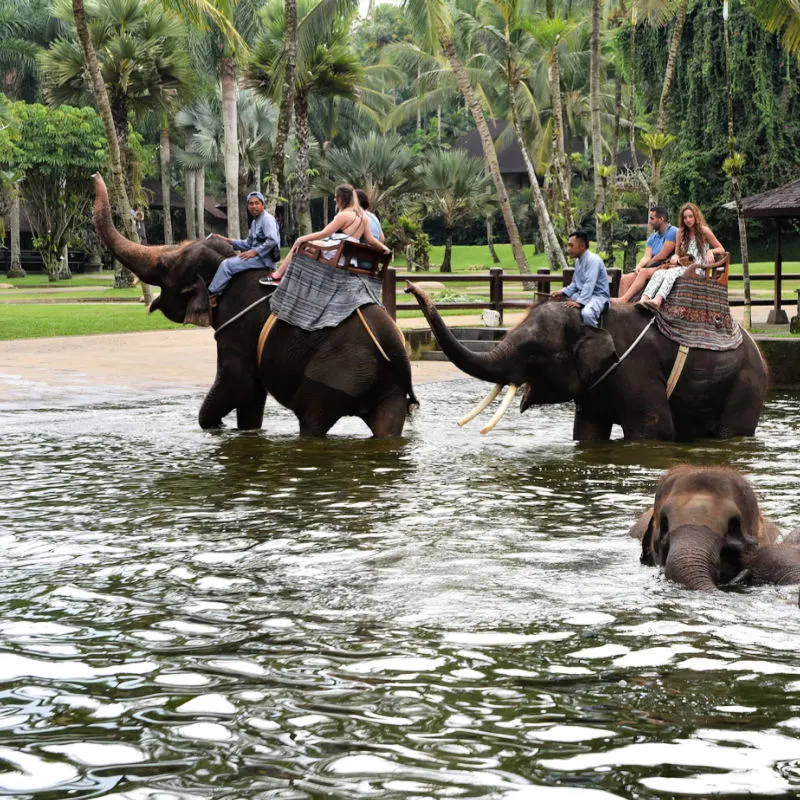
(261, 247)
(374, 222)
(660, 247)
(589, 288)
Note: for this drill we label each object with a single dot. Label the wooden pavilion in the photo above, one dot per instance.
(777, 204)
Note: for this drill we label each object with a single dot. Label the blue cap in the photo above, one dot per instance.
(258, 195)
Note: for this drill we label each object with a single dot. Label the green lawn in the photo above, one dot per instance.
(77, 319)
(56, 316)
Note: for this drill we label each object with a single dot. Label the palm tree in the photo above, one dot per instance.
(377, 163)
(325, 68)
(434, 25)
(597, 140)
(453, 184)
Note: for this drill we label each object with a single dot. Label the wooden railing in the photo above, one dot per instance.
(497, 279)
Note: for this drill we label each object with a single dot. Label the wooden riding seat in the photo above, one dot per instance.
(350, 256)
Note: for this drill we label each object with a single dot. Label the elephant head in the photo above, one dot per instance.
(551, 351)
(704, 528)
(183, 271)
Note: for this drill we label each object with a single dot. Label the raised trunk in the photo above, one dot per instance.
(231, 145)
(694, 558)
(189, 196)
(488, 150)
(275, 187)
(141, 260)
(200, 202)
(669, 73)
(597, 140)
(164, 155)
(493, 366)
(15, 271)
(302, 186)
(778, 564)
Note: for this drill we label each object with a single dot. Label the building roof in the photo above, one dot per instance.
(781, 202)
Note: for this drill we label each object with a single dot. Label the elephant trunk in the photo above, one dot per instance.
(139, 259)
(495, 366)
(778, 564)
(693, 559)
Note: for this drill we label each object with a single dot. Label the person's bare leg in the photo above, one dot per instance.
(637, 282)
(278, 273)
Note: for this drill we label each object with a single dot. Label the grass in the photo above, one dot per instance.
(78, 319)
(58, 315)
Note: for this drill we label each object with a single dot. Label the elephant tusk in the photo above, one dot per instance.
(510, 392)
(482, 405)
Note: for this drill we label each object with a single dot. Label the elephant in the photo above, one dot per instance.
(706, 530)
(719, 394)
(320, 375)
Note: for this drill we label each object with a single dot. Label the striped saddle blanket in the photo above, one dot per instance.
(696, 314)
(312, 295)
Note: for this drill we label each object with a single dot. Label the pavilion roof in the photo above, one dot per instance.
(781, 202)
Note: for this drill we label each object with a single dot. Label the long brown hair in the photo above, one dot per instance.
(686, 233)
(348, 200)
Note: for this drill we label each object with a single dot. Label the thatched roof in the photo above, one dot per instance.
(781, 202)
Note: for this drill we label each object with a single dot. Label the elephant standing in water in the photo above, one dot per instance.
(705, 529)
(321, 375)
(719, 395)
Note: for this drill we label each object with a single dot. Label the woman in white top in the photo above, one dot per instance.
(350, 222)
(695, 245)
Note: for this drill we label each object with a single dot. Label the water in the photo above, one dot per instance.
(221, 615)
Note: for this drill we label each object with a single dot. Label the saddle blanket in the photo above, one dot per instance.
(312, 295)
(696, 314)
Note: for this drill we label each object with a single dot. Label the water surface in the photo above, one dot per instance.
(220, 615)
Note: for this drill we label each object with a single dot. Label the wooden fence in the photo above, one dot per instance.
(544, 281)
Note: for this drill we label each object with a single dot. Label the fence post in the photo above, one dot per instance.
(777, 316)
(496, 291)
(544, 286)
(389, 292)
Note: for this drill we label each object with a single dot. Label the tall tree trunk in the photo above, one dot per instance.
(118, 190)
(419, 99)
(490, 154)
(200, 202)
(242, 192)
(734, 168)
(490, 239)
(617, 115)
(189, 197)
(231, 148)
(15, 270)
(597, 141)
(275, 188)
(637, 171)
(302, 185)
(164, 155)
(669, 73)
(448, 251)
(562, 163)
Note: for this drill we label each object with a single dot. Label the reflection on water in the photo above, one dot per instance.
(193, 615)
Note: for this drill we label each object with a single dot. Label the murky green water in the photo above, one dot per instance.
(195, 615)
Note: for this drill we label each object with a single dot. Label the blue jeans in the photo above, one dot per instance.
(233, 265)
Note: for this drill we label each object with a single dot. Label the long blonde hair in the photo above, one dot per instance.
(686, 232)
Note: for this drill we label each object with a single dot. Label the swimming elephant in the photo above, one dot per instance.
(558, 358)
(706, 529)
(321, 375)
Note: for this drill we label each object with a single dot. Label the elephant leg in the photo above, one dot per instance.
(588, 428)
(318, 407)
(648, 422)
(777, 564)
(739, 416)
(218, 403)
(388, 417)
(250, 414)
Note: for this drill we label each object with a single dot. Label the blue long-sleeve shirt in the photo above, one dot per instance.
(262, 237)
(590, 280)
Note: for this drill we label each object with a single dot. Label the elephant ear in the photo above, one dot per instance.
(642, 529)
(198, 307)
(594, 354)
